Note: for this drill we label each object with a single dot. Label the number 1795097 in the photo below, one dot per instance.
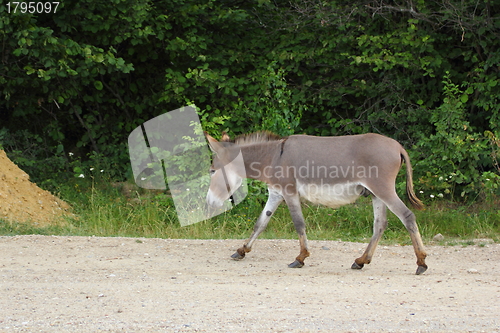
(32, 7)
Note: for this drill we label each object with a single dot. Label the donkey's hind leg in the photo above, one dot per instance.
(273, 201)
(379, 226)
(408, 218)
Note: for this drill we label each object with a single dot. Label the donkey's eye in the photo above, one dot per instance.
(212, 172)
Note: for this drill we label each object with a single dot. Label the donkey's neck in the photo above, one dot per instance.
(258, 156)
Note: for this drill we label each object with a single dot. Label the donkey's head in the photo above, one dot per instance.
(227, 170)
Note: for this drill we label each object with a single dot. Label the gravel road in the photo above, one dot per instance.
(90, 284)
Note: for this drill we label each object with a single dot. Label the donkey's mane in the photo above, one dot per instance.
(256, 137)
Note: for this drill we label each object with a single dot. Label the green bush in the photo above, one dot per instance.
(424, 73)
(458, 156)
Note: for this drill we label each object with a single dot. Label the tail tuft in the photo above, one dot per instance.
(415, 202)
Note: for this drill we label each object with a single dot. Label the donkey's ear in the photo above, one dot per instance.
(213, 143)
(225, 137)
(208, 136)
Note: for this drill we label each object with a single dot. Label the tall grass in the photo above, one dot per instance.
(103, 210)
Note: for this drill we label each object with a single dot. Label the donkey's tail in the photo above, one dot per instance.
(415, 202)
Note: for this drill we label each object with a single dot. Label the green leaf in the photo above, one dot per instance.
(99, 57)
(98, 85)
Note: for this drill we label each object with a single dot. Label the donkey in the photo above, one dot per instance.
(332, 171)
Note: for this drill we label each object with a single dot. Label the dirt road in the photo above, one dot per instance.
(89, 284)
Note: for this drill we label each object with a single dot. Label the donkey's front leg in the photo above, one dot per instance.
(293, 203)
(273, 201)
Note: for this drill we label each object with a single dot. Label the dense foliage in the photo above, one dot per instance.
(75, 83)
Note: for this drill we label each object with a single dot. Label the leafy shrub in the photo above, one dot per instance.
(454, 162)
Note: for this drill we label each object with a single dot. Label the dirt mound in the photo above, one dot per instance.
(23, 201)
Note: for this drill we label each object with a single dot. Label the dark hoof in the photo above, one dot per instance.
(421, 269)
(296, 264)
(357, 266)
(238, 256)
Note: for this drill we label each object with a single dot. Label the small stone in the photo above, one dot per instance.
(472, 271)
(438, 238)
(325, 248)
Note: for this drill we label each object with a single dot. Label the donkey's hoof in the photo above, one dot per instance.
(421, 269)
(237, 256)
(357, 266)
(296, 264)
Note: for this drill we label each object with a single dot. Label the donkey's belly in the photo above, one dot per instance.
(331, 195)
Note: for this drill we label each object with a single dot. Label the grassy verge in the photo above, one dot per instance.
(105, 211)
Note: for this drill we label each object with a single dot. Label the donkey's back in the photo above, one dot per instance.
(362, 150)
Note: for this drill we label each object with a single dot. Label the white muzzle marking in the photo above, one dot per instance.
(213, 200)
